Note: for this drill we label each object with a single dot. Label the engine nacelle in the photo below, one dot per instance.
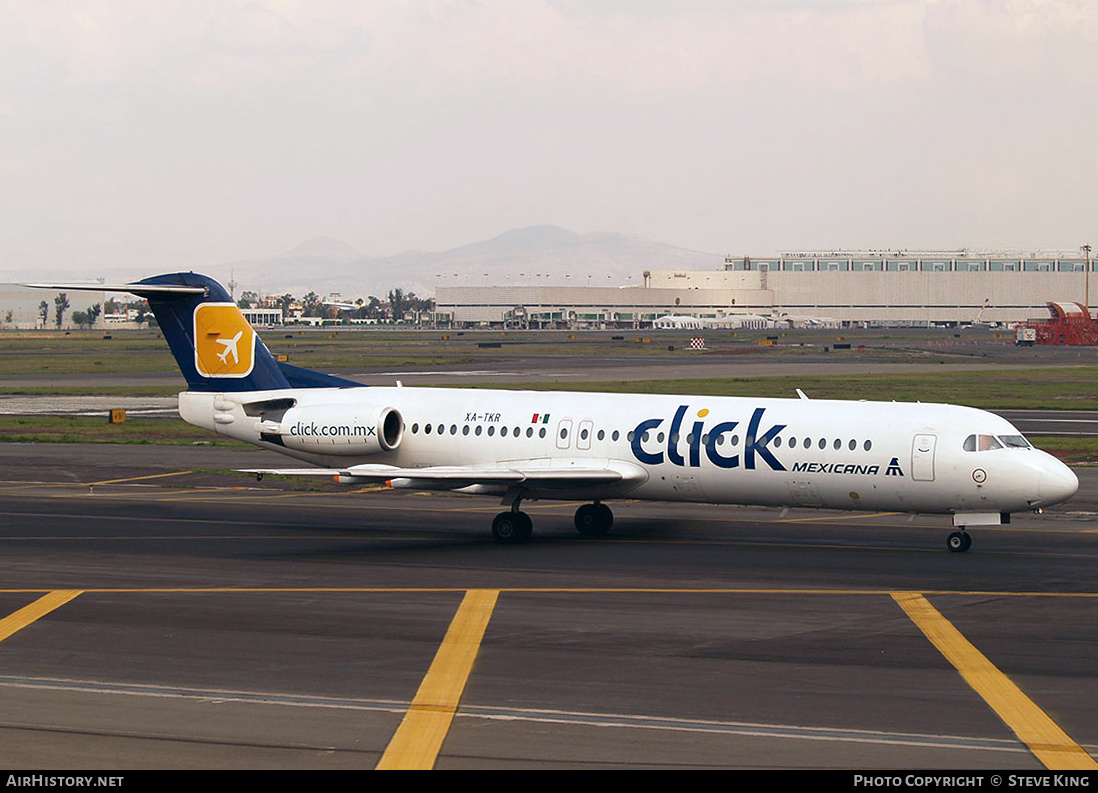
(338, 429)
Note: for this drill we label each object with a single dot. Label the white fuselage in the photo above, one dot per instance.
(735, 450)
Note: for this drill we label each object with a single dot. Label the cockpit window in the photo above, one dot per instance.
(983, 443)
(1014, 441)
(986, 442)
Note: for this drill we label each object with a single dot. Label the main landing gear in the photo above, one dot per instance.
(594, 520)
(959, 541)
(515, 526)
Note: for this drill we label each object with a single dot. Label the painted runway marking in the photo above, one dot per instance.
(529, 715)
(833, 518)
(140, 478)
(428, 719)
(1050, 744)
(419, 737)
(20, 619)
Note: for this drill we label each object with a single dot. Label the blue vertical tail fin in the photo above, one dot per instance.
(214, 344)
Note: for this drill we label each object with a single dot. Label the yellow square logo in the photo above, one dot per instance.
(224, 342)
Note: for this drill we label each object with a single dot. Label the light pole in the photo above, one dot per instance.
(1086, 252)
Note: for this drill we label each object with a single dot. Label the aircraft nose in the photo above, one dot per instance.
(1056, 482)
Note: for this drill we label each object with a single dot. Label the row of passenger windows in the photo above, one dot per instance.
(792, 442)
(504, 431)
(584, 434)
(479, 430)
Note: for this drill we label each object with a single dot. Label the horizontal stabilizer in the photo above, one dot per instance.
(135, 289)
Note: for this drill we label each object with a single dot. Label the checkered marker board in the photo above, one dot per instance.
(697, 343)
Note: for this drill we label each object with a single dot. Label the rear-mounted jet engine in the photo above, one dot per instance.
(337, 429)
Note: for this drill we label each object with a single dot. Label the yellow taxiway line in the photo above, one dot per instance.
(139, 478)
(1042, 735)
(418, 739)
(20, 619)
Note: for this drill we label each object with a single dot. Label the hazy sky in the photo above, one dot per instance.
(156, 135)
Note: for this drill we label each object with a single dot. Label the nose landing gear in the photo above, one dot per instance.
(959, 541)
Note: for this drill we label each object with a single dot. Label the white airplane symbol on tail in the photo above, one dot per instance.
(230, 347)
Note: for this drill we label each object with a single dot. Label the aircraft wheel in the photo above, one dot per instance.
(594, 520)
(959, 542)
(512, 527)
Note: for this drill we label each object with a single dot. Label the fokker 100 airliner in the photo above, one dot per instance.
(528, 445)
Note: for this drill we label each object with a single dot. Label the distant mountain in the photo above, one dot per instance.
(537, 255)
(323, 249)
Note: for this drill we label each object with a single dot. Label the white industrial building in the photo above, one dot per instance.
(838, 287)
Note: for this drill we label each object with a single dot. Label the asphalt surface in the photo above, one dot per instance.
(194, 618)
(221, 623)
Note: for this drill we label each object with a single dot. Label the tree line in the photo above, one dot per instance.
(394, 307)
(88, 317)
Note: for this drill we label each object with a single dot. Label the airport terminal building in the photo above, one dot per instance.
(913, 288)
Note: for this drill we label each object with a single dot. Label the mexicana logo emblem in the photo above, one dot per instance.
(224, 342)
(755, 444)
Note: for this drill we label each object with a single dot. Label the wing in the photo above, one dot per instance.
(549, 477)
